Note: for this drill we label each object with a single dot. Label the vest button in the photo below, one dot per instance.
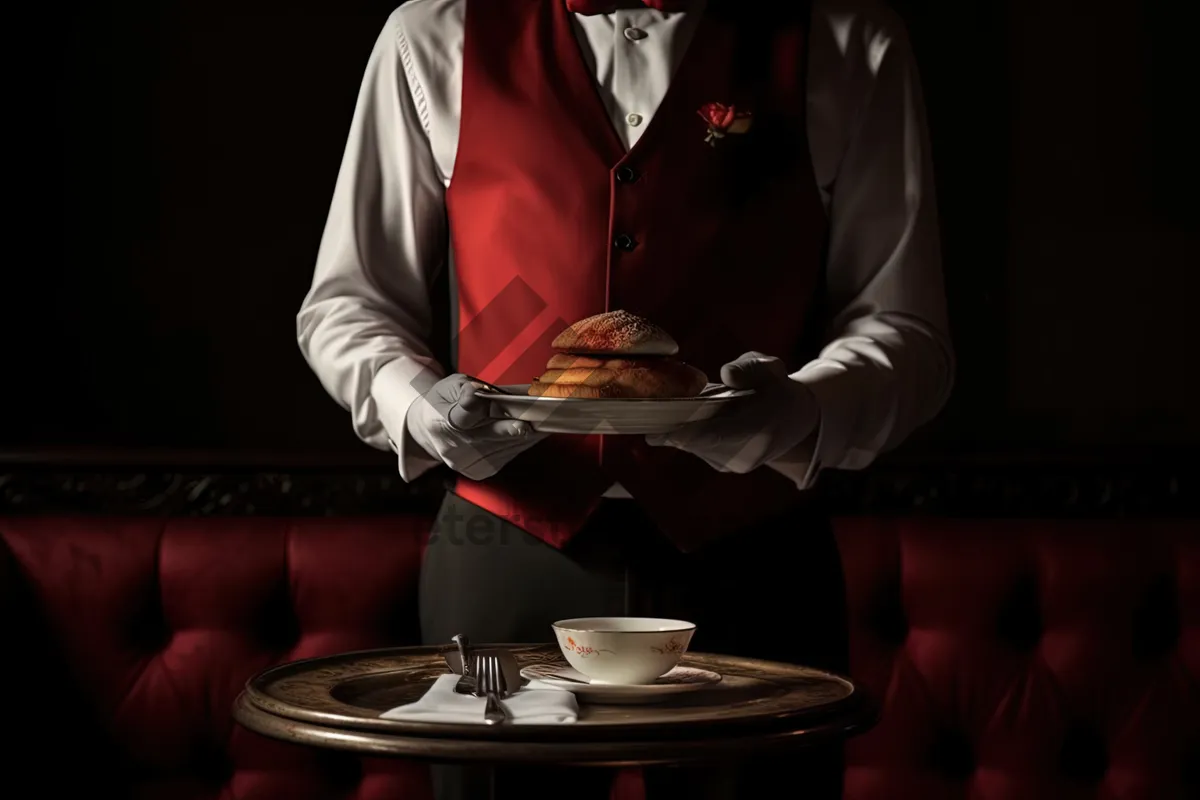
(626, 175)
(624, 242)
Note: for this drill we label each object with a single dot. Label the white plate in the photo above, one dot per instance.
(612, 416)
(680, 680)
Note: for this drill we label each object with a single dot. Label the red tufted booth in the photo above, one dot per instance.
(1027, 660)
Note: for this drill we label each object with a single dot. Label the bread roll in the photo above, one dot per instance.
(665, 379)
(617, 355)
(578, 391)
(568, 361)
(622, 378)
(579, 376)
(616, 333)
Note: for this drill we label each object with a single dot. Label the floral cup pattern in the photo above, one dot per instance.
(626, 650)
(581, 650)
(672, 645)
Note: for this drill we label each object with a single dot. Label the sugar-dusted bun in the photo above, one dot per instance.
(622, 378)
(616, 333)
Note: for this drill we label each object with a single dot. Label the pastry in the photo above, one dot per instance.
(617, 355)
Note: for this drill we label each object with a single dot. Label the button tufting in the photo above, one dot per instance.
(953, 755)
(345, 771)
(148, 631)
(1020, 618)
(1156, 623)
(1084, 756)
(1077, 716)
(886, 616)
(278, 628)
(213, 763)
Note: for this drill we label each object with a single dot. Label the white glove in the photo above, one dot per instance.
(463, 431)
(780, 416)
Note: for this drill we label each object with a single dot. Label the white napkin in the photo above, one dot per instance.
(535, 704)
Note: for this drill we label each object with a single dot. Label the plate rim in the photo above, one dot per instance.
(733, 394)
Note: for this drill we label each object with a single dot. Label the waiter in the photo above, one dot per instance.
(752, 177)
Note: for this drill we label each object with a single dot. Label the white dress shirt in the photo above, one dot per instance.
(888, 365)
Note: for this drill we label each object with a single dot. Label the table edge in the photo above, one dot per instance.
(649, 752)
(857, 698)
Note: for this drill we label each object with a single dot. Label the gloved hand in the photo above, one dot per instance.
(455, 425)
(780, 415)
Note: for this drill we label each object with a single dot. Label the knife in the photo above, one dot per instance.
(460, 663)
(511, 670)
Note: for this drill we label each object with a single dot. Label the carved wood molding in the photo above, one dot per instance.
(210, 493)
(1169, 488)
(1018, 491)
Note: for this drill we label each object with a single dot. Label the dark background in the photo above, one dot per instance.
(173, 168)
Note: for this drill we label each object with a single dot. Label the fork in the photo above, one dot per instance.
(489, 680)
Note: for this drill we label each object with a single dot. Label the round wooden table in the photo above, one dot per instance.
(335, 702)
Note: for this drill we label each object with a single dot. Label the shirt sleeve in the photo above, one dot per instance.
(888, 364)
(365, 323)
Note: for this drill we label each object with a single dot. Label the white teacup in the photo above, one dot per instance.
(623, 649)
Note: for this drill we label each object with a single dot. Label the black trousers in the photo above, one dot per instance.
(773, 592)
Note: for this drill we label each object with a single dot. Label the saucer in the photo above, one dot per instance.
(679, 680)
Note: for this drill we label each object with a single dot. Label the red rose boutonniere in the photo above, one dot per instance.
(723, 120)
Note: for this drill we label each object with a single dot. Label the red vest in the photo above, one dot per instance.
(552, 220)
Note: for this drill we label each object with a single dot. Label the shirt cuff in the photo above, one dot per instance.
(396, 386)
(830, 448)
